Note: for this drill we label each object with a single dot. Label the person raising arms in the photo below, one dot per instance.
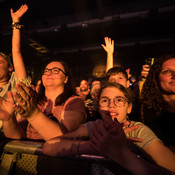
(8, 77)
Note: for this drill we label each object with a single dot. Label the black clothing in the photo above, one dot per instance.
(163, 125)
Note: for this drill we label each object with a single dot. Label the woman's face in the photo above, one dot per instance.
(113, 100)
(167, 76)
(53, 75)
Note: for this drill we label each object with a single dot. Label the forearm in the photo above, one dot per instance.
(109, 63)
(137, 165)
(16, 54)
(61, 147)
(12, 129)
(46, 127)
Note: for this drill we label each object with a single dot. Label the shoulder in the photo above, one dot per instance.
(142, 127)
(74, 101)
(143, 132)
(73, 98)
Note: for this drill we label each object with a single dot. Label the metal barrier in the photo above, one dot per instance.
(26, 158)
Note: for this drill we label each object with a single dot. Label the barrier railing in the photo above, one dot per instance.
(26, 158)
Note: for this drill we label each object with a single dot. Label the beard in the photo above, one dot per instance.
(83, 89)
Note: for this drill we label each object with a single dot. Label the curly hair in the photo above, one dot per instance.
(69, 88)
(151, 96)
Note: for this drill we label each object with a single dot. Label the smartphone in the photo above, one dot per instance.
(149, 61)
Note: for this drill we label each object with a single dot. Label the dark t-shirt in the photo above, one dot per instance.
(162, 125)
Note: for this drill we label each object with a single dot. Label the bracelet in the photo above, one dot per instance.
(16, 25)
(78, 146)
(73, 155)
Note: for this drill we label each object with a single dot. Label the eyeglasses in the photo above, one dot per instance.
(54, 70)
(118, 101)
(168, 72)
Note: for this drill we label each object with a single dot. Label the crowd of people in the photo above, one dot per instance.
(129, 124)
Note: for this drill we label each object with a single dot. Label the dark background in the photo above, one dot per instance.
(73, 30)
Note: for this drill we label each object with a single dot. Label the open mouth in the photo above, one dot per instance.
(114, 114)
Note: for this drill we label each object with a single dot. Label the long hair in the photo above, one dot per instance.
(69, 88)
(151, 96)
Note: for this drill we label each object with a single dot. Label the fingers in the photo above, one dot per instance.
(109, 41)
(19, 12)
(10, 97)
(112, 43)
(23, 7)
(104, 47)
(132, 128)
(25, 91)
(145, 70)
(19, 109)
(99, 132)
(106, 118)
(22, 93)
(20, 100)
(22, 106)
(134, 139)
(146, 66)
(126, 123)
(97, 139)
(144, 74)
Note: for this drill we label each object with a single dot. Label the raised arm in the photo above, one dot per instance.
(16, 53)
(109, 48)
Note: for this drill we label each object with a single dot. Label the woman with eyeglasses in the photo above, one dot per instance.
(108, 139)
(54, 111)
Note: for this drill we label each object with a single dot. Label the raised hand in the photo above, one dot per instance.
(6, 107)
(109, 45)
(130, 129)
(109, 124)
(26, 98)
(128, 72)
(145, 70)
(106, 142)
(19, 13)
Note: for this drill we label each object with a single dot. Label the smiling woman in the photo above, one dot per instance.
(158, 99)
(57, 112)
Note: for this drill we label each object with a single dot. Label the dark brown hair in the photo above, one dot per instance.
(69, 88)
